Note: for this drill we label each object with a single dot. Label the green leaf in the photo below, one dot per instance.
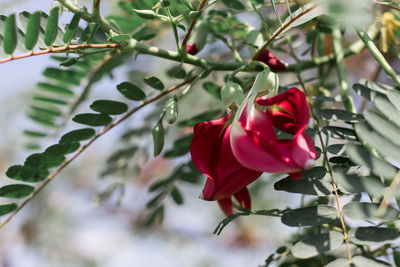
(234, 4)
(16, 190)
(309, 216)
(213, 89)
(340, 133)
(45, 121)
(370, 90)
(35, 134)
(180, 147)
(340, 262)
(131, 91)
(177, 72)
(78, 135)
(32, 30)
(305, 186)
(377, 141)
(92, 119)
(7, 208)
(89, 32)
(171, 110)
(122, 153)
(50, 100)
(55, 89)
(394, 98)
(43, 161)
(388, 109)
(361, 261)
(51, 32)
(27, 174)
(206, 116)
(158, 133)
(10, 35)
(339, 115)
(62, 149)
(378, 166)
(154, 82)
(315, 245)
(354, 183)
(46, 112)
(109, 107)
(371, 236)
(176, 196)
(368, 211)
(65, 76)
(120, 38)
(72, 27)
(383, 126)
(336, 149)
(317, 172)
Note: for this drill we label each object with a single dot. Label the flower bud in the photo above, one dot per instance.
(171, 110)
(199, 38)
(266, 81)
(232, 93)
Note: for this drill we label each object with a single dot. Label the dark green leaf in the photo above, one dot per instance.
(16, 190)
(304, 186)
(55, 89)
(234, 4)
(177, 72)
(317, 172)
(354, 183)
(27, 174)
(158, 133)
(92, 119)
(122, 153)
(213, 89)
(180, 147)
(370, 90)
(176, 196)
(77, 135)
(369, 211)
(336, 149)
(10, 35)
(340, 133)
(69, 62)
(62, 149)
(34, 133)
(109, 107)
(51, 32)
(50, 100)
(315, 245)
(154, 82)
(131, 91)
(339, 115)
(89, 32)
(309, 216)
(120, 38)
(65, 76)
(43, 161)
(7, 208)
(371, 236)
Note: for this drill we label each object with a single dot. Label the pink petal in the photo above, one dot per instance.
(303, 150)
(192, 49)
(273, 63)
(226, 205)
(244, 199)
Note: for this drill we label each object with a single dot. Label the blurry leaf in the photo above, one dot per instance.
(7, 208)
(309, 216)
(131, 91)
(34, 133)
(158, 133)
(340, 262)
(43, 161)
(354, 183)
(234, 4)
(361, 261)
(65, 76)
(177, 72)
(50, 100)
(378, 166)
(388, 109)
(32, 30)
(122, 153)
(339, 115)
(206, 116)
(69, 62)
(92, 119)
(77, 135)
(10, 35)
(339, 133)
(55, 89)
(109, 107)
(180, 147)
(305, 186)
(394, 97)
(51, 32)
(176, 196)
(383, 126)
(213, 89)
(368, 211)
(112, 189)
(315, 245)
(154, 82)
(120, 38)
(27, 174)
(156, 215)
(372, 236)
(88, 32)
(16, 190)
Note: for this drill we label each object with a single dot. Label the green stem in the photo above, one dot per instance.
(364, 36)
(344, 86)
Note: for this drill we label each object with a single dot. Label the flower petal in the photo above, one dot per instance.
(273, 63)
(226, 205)
(244, 199)
(303, 150)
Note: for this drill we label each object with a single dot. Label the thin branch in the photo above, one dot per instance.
(386, 5)
(84, 147)
(281, 29)
(60, 50)
(191, 27)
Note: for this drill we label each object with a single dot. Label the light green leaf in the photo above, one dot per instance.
(315, 245)
(354, 183)
(51, 32)
(72, 27)
(32, 30)
(10, 35)
(368, 211)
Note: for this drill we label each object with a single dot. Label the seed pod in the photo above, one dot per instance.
(171, 110)
(158, 133)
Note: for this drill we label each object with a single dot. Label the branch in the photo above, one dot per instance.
(83, 148)
(191, 27)
(281, 29)
(61, 49)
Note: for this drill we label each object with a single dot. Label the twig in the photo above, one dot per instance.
(191, 27)
(386, 197)
(61, 49)
(386, 4)
(84, 147)
(281, 29)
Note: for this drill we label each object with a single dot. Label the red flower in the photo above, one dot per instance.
(212, 154)
(254, 141)
(191, 49)
(273, 63)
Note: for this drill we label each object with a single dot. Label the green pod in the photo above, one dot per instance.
(145, 14)
(158, 133)
(171, 110)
